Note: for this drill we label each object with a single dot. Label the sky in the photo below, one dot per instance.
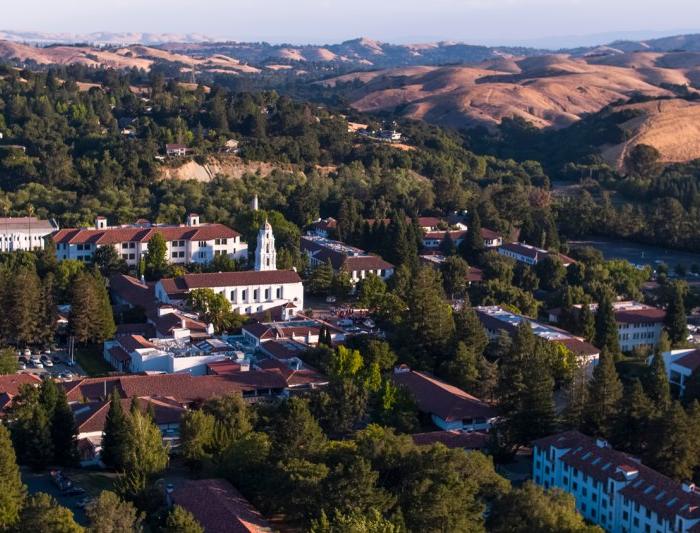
(528, 22)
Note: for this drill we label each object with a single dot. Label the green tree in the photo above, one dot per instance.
(473, 244)
(587, 323)
(551, 272)
(468, 329)
(214, 308)
(604, 395)
(341, 284)
(156, 260)
(455, 271)
(42, 514)
(293, 431)
(146, 455)
(108, 513)
(108, 260)
(643, 161)
(24, 301)
(676, 321)
(12, 490)
(462, 370)
(673, 451)
(8, 361)
(321, 279)
(196, 436)
(606, 333)
(428, 323)
(531, 508)
(371, 291)
(634, 424)
(31, 432)
(232, 419)
(657, 385)
(356, 522)
(115, 434)
(180, 520)
(64, 432)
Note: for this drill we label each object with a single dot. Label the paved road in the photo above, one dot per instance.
(41, 482)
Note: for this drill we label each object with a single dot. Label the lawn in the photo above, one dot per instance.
(90, 359)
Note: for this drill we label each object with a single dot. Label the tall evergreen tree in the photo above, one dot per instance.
(537, 416)
(12, 491)
(604, 395)
(428, 323)
(657, 385)
(634, 427)
(108, 513)
(84, 305)
(676, 320)
(587, 323)
(462, 369)
(103, 320)
(157, 257)
(180, 520)
(674, 450)
(42, 514)
(468, 329)
(115, 435)
(321, 279)
(24, 306)
(606, 333)
(64, 432)
(473, 244)
(48, 310)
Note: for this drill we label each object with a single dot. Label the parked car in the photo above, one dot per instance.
(330, 299)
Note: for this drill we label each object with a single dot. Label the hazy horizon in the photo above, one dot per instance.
(540, 23)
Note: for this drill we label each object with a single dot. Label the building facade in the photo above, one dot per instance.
(248, 291)
(613, 489)
(192, 242)
(530, 255)
(680, 365)
(357, 263)
(25, 233)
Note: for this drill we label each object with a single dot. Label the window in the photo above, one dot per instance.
(279, 292)
(132, 245)
(267, 294)
(244, 295)
(125, 256)
(256, 294)
(202, 255)
(174, 255)
(132, 256)
(625, 515)
(583, 507)
(224, 241)
(202, 244)
(233, 295)
(125, 245)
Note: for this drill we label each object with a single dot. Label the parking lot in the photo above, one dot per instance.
(59, 367)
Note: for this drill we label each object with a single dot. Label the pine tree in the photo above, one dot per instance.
(24, 305)
(634, 427)
(115, 435)
(447, 245)
(48, 310)
(604, 395)
(12, 491)
(473, 244)
(84, 304)
(321, 279)
(587, 323)
(462, 370)
(676, 321)
(488, 378)
(468, 329)
(103, 326)
(64, 432)
(429, 327)
(577, 392)
(657, 386)
(674, 450)
(537, 416)
(606, 333)
(182, 521)
(196, 436)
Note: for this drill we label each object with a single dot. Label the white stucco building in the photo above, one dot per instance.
(530, 255)
(25, 233)
(249, 291)
(613, 489)
(357, 263)
(192, 242)
(680, 365)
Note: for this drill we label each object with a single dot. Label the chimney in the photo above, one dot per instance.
(100, 222)
(193, 220)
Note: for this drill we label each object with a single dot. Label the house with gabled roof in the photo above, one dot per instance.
(449, 407)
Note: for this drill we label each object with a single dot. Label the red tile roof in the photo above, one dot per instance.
(647, 315)
(455, 234)
(115, 235)
(294, 378)
(219, 507)
(184, 388)
(132, 291)
(91, 417)
(649, 488)
(341, 260)
(489, 234)
(579, 347)
(134, 342)
(189, 282)
(474, 440)
(10, 385)
(437, 397)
